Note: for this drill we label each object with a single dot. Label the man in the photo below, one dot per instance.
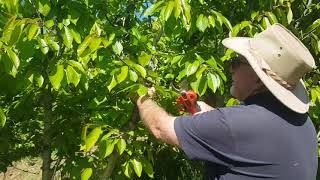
(268, 136)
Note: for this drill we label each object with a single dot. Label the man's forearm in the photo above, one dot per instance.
(151, 114)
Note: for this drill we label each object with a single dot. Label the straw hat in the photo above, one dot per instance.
(280, 60)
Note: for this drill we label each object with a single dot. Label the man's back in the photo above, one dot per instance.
(262, 139)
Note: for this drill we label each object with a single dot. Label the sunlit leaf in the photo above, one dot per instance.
(202, 22)
(137, 166)
(117, 48)
(144, 59)
(92, 138)
(112, 84)
(289, 15)
(106, 147)
(140, 69)
(86, 174)
(34, 28)
(192, 68)
(72, 76)
(44, 7)
(213, 81)
(168, 10)
(57, 76)
(76, 65)
(152, 8)
(133, 76)
(14, 58)
(123, 74)
(121, 145)
(67, 37)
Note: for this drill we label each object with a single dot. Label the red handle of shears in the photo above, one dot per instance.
(189, 102)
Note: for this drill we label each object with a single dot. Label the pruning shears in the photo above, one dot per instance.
(187, 99)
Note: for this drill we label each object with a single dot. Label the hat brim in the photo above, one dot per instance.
(296, 99)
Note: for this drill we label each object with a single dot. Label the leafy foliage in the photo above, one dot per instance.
(69, 68)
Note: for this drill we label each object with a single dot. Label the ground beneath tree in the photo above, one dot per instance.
(26, 169)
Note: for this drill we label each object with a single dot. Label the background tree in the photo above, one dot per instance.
(69, 68)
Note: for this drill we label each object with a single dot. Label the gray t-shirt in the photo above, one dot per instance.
(259, 139)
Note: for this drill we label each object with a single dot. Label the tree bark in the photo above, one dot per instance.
(46, 151)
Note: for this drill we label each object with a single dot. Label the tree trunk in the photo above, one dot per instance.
(46, 136)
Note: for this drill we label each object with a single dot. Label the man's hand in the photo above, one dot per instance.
(204, 107)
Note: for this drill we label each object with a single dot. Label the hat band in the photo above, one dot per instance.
(268, 71)
(278, 79)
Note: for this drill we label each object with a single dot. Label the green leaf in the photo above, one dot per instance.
(117, 48)
(8, 29)
(212, 21)
(195, 85)
(200, 71)
(142, 90)
(144, 59)
(137, 166)
(14, 58)
(152, 8)
(76, 36)
(121, 145)
(140, 69)
(72, 76)
(57, 77)
(43, 46)
(168, 10)
(133, 76)
(82, 47)
(202, 88)
(192, 68)
(177, 9)
(44, 7)
(76, 65)
(202, 22)
(147, 167)
(313, 26)
(182, 74)
(213, 82)
(123, 74)
(289, 15)
(67, 37)
(227, 23)
(16, 33)
(106, 147)
(95, 44)
(39, 79)
(127, 170)
(232, 102)
(49, 23)
(52, 43)
(186, 15)
(112, 84)
(265, 23)
(2, 118)
(272, 17)
(92, 138)
(34, 28)
(86, 174)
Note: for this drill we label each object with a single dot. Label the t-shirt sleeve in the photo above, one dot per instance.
(206, 136)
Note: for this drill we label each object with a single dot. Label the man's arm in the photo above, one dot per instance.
(157, 120)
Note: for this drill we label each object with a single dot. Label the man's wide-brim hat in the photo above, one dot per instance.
(280, 60)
